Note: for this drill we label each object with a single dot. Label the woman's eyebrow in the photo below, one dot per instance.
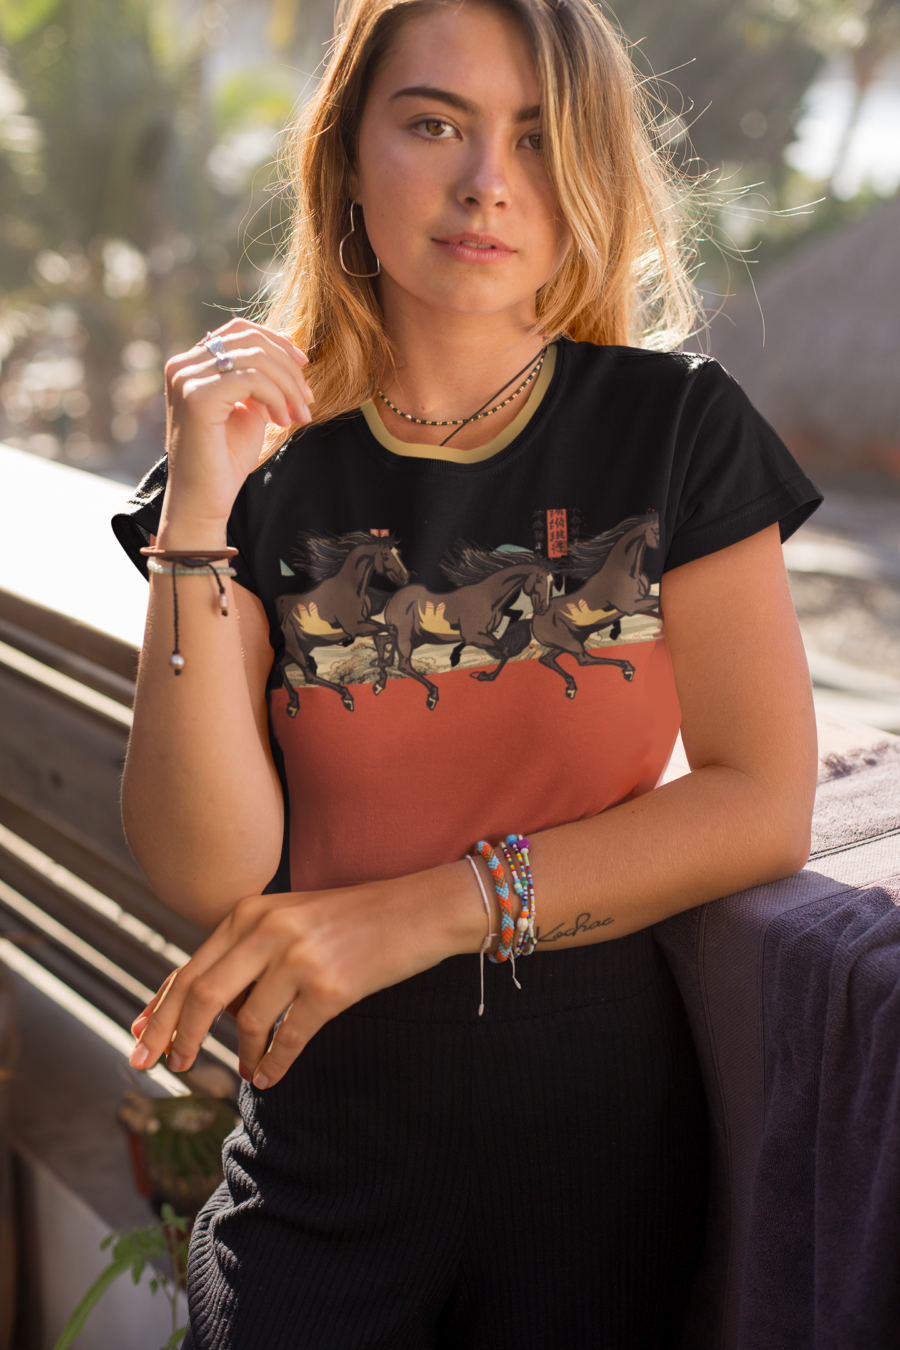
(458, 102)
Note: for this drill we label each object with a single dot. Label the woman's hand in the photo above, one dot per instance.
(217, 420)
(312, 953)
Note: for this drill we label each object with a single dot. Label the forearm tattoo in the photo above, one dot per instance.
(583, 924)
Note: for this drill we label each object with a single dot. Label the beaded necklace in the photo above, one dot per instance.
(483, 411)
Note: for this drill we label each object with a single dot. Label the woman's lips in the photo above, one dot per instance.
(476, 248)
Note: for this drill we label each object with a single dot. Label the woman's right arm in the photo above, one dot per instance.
(201, 798)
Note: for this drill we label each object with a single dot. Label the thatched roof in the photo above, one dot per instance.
(828, 377)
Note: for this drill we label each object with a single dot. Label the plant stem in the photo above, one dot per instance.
(90, 1299)
(172, 1237)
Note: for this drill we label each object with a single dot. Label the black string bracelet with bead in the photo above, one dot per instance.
(186, 563)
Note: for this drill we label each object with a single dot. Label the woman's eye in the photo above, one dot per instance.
(533, 140)
(435, 129)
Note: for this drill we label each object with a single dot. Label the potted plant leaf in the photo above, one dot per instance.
(132, 1250)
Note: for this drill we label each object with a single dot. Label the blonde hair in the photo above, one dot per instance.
(624, 280)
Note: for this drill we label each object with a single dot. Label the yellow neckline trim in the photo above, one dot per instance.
(481, 452)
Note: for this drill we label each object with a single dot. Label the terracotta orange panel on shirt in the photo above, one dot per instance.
(394, 787)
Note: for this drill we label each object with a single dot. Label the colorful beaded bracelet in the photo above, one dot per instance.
(507, 927)
(515, 850)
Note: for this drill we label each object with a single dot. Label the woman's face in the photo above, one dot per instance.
(451, 178)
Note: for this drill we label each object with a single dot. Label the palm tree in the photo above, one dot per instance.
(107, 199)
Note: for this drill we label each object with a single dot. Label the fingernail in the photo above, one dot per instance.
(140, 1057)
(261, 1081)
(244, 1072)
(175, 1062)
(140, 1023)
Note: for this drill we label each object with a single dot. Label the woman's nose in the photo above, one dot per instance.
(486, 181)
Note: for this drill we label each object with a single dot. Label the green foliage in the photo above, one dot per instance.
(732, 77)
(19, 18)
(107, 208)
(107, 114)
(132, 1250)
(713, 64)
(252, 97)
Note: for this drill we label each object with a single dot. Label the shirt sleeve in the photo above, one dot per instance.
(737, 475)
(138, 519)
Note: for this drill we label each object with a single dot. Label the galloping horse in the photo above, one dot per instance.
(486, 584)
(615, 585)
(340, 608)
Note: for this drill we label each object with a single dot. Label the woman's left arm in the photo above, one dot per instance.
(741, 817)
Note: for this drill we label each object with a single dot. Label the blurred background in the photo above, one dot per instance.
(139, 207)
(140, 203)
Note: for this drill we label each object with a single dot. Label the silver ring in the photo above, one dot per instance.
(216, 347)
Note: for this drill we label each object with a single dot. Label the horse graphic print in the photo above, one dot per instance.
(365, 621)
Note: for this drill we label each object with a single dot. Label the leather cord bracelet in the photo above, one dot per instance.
(191, 562)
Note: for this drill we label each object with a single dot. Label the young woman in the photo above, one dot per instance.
(449, 630)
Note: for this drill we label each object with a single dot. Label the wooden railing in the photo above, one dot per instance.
(71, 894)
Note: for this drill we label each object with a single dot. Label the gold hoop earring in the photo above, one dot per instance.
(341, 251)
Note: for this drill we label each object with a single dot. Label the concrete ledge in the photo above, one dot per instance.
(45, 510)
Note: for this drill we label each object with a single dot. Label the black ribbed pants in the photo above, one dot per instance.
(425, 1179)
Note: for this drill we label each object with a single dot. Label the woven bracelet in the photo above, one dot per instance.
(507, 926)
(182, 563)
(186, 569)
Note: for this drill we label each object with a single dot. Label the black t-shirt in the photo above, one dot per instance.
(435, 623)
